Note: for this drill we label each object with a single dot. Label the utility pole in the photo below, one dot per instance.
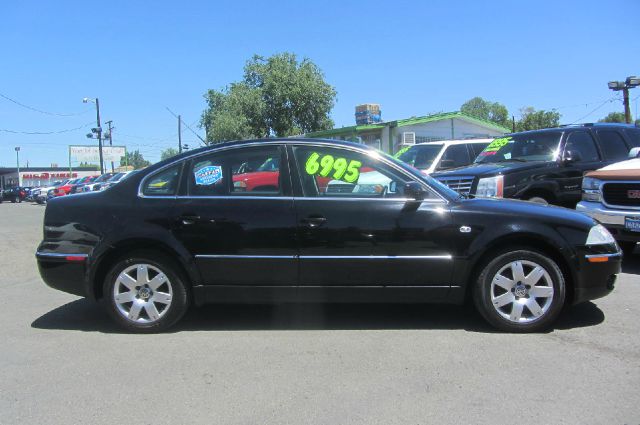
(18, 162)
(179, 134)
(624, 86)
(110, 139)
(99, 135)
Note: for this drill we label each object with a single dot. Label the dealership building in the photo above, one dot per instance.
(41, 176)
(391, 136)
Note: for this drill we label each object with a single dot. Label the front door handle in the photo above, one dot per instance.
(314, 221)
(189, 219)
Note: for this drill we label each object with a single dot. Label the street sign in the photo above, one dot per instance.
(92, 154)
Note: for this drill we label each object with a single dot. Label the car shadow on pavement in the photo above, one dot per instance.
(85, 315)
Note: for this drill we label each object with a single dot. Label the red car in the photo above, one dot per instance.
(263, 179)
(70, 185)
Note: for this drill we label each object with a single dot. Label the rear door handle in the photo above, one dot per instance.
(189, 219)
(314, 221)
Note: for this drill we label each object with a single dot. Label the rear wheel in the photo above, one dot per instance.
(145, 292)
(520, 291)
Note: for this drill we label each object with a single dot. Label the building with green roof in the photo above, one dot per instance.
(391, 136)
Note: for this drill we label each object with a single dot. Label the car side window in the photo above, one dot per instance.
(164, 183)
(455, 156)
(634, 136)
(331, 172)
(612, 145)
(582, 143)
(476, 148)
(254, 171)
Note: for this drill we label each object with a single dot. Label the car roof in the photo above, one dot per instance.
(571, 127)
(239, 143)
(456, 142)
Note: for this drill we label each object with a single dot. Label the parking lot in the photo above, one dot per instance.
(63, 361)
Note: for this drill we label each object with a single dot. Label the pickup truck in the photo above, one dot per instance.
(611, 195)
(544, 166)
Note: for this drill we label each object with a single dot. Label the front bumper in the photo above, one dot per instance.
(596, 271)
(612, 219)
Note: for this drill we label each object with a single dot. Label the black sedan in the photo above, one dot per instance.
(316, 221)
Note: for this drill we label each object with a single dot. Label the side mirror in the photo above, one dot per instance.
(446, 163)
(393, 186)
(634, 153)
(572, 156)
(414, 190)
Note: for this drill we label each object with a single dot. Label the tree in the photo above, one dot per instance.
(534, 120)
(87, 165)
(614, 117)
(135, 159)
(277, 96)
(483, 109)
(168, 153)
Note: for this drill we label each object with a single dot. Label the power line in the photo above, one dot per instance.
(40, 110)
(45, 132)
(598, 107)
(185, 124)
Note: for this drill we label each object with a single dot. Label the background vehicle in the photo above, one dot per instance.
(544, 166)
(182, 231)
(14, 194)
(437, 156)
(91, 185)
(611, 195)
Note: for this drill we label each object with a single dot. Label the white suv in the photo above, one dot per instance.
(437, 156)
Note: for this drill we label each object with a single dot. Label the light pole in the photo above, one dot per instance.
(18, 162)
(629, 83)
(98, 129)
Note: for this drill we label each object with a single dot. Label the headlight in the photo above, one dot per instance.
(591, 190)
(490, 187)
(599, 235)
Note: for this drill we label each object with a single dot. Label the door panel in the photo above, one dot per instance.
(365, 232)
(238, 220)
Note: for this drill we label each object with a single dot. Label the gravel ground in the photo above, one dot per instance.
(62, 361)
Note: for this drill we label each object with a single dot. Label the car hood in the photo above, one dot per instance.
(525, 209)
(491, 168)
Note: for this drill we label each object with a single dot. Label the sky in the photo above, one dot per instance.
(412, 57)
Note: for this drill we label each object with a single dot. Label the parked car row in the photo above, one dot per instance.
(42, 194)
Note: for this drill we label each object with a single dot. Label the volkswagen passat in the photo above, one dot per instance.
(209, 226)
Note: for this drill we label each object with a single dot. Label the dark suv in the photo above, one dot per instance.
(544, 166)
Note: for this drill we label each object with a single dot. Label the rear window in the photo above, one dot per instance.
(633, 135)
(612, 145)
(164, 183)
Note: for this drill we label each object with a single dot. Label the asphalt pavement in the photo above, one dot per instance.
(62, 361)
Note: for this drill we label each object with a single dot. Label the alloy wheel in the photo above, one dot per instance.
(142, 293)
(522, 291)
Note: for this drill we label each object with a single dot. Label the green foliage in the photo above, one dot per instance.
(490, 111)
(87, 165)
(277, 96)
(134, 159)
(168, 153)
(534, 120)
(614, 117)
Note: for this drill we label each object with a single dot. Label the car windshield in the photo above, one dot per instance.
(116, 177)
(440, 187)
(522, 147)
(271, 164)
(103, 178)
(420, 156)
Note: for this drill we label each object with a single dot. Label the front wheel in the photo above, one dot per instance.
(145, 292)
(520, 291)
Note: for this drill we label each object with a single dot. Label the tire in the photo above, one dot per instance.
(509, 304)
(146, 304)
(538, 200)
(627, 247)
